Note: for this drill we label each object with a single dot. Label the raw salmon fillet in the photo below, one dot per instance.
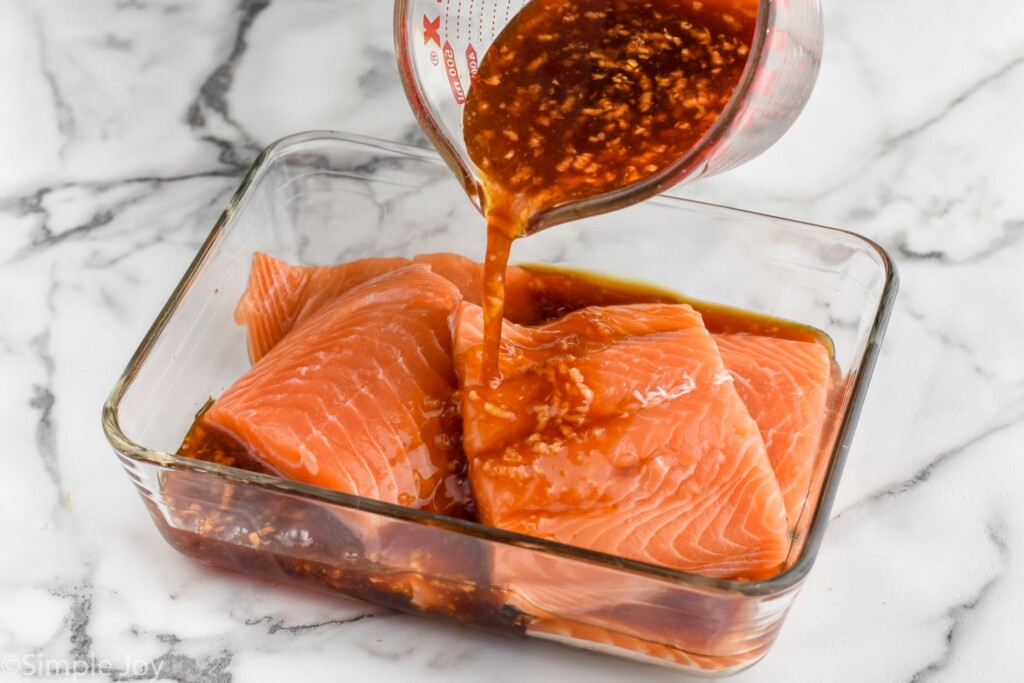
(784, 384)
(618, 429)
(358, 397)
(281, 295)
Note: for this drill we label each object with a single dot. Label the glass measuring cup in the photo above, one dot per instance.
(440, 43)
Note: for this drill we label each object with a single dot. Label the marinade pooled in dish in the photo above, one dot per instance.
(626, 420)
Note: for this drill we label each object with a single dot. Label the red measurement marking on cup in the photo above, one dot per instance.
(473, 62)
(777, 41)
(452, 70)
(430, 28)
(458, 21)
(765, 82)
(480, 23)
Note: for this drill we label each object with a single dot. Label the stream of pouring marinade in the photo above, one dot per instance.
(577, 98)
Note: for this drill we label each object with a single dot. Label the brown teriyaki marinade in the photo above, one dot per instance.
(577, 98)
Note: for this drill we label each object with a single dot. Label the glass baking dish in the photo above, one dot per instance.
(325, 198)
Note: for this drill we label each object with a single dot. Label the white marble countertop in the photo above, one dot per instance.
(126, 124)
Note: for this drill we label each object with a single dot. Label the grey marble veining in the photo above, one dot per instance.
(126, 125)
